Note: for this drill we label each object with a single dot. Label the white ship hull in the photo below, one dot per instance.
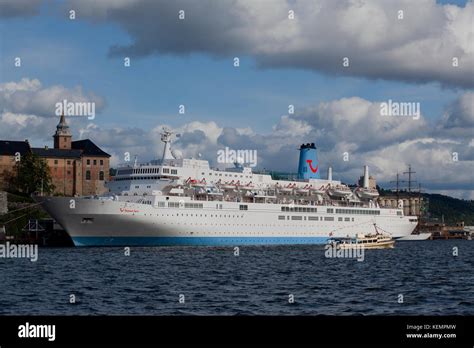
(96, 222)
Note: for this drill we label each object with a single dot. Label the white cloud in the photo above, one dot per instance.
(22, 126)
(211, 129)
(27, 109)
(25, 84)
(418, 48)
(291, 127)
(460, 114)
(359, 124)
(28, 96)
(432, 160)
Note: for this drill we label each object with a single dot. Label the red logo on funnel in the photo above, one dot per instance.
(310, 163)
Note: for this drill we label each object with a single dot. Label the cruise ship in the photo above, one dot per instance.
(179, 201)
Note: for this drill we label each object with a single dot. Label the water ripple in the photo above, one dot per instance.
(258, 282)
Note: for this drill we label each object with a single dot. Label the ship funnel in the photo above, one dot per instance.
(366, 176)
(330, 174)
(308, 167)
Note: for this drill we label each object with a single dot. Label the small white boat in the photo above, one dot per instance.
(228, 185)
(417, 236)
(248, 186)
(318, 191)
(303, 190)
(366, 241)
(195, 183)
(375, 240)
(340, 191)
(288, 188)
(199, 184)
(367, 193)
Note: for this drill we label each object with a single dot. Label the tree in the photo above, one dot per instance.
(31, 175)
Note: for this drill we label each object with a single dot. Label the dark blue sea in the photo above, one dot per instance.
(257, 282)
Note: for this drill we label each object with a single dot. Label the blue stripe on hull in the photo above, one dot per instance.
(214, 241)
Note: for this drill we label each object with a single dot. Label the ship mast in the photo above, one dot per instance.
(166, 138)
(410, 181)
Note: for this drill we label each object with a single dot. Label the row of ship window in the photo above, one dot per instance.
(149, 171)
(355, 211)
(300, 209)
(331, 210)
(230, 175)
(186, 205)
(172, 171)
(175, 171)
(138, 178)
(280, 217)
(193, 205)
(313, 218)
(292, 209)
(156, 177)
(198, 215)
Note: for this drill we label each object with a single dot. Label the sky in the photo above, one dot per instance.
(282, 61)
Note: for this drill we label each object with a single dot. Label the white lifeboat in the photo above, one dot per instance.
(339, 191)
(320, 191)
(196, 183)
(228, 185)
(288, 188)
(303, 190)
(249, 186)
(367, 193)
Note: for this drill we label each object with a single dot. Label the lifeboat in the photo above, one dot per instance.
(288, 188)
(367, 193)
(201, 183)
(320, 191)
(249, 186)
(339, 191)
(190, 181)
(196, 183)
(228, 185)
(303, 190)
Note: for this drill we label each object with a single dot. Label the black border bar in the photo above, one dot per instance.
(261, 330)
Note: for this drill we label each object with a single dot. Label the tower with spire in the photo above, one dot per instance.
(62, 136)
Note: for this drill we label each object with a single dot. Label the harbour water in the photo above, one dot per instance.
(260, 281)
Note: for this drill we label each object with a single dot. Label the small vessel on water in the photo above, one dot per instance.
(417, 236)
(375, 240)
